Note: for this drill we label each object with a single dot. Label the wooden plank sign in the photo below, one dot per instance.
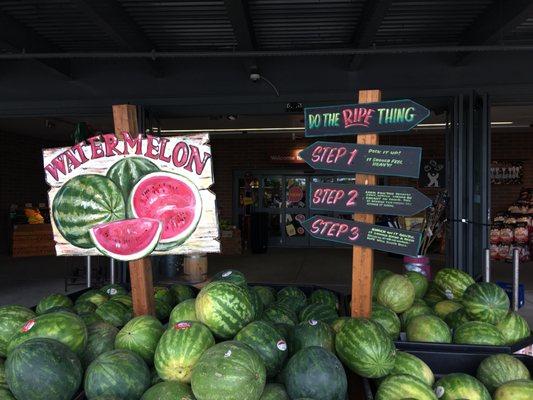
(133, 197)
(367, 235)
(366, 159)
(380, 117)
(387, 200)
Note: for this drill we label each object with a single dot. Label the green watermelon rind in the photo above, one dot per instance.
(428, 329)
(126, 173)
(499, 369)
(461, 386)
(51, 301)
(477, 332)
(409, 364)
(387, 319)
(517, 390)
(397, 293)
(184, 311)
(402, 386)
(100, 339)
(318, 312)
(313, 333)
(12, 318)
(486, 302)
(169, 390)
(513, 328)
(452, 282)
(141, 336)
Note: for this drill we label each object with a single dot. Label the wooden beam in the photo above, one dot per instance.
(373, 13)
(363, 257)
(142, 287)
(239, 17)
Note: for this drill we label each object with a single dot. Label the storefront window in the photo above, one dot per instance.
(296, 188)
(272, 192)
(293, 225)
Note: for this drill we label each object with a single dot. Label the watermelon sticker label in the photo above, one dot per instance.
(439, 391)
(281, 345)
(112, 291)
(226, 274)
(28, 325)
(227, 354)
(131, 197)
(313, 322)
(449, 294)
(182, 325)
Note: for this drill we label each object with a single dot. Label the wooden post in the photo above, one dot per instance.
(363, 257)
(142, 287)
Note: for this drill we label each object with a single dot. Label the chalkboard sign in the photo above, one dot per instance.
(365, 159)
(361, 234)
(388, 200)
(349, 119)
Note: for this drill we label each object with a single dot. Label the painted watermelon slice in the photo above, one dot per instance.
(127, 240)
(170, 198)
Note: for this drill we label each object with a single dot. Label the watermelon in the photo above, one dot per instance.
(128, 239)
(521, 389)
(43, 369)
(379, 276)
(402, 386)
(280, 314)
(83, 202)
(140, 335)
(366, 348)
(415, 311)
(115, 313)
(339, 323)
(181, 292)
(84, 307)
(154, 376)
(428, 328)
(476, 332)
(485, 302)
(171, 390)
(293, 297)
(5, 394)
(498, 369)
(313, 333)
(120, 373)
(179, 350)
(165, 294)
(461, 386)
(124, 299)
(57, 309)
(513, 328)
(225, 308)
(101, 338)
(269, 344)
(387, 319)
(170, 198)
(257, 303)
(90, 318)
(65, 327)
(3, 382)
(267, 294)
(409, 364)
(231, 276)
(324, 296)
(274, 391)
(397, 293)
(316, 373)
(318, 312)
(12, 318)
(162, 309)
(127, 172)
(452, 282)
(184, 311)
(53, 301)
(229, 370)
(433, 295)
(93, 296)
(419, 302)
(419, 281)
(113, 290)
(445, 307)
(456, 318)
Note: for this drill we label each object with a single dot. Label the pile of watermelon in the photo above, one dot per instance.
(450, 309)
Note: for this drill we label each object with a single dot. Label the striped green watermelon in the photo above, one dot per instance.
(181, 292)
(52, 301)
(452, 282)
(124, 299)
(419, 281)
(115, 313)
(409, 364)
(232, 276)
(90, 318)
(498, 369)
(428, 328)
(3, 382)
(445, 307)
(292, 296)
(180, 349)
(120, 373)
(267, 342)
(397, 293)
(324, 296)
(316, 373)
(165, 294)
(279, 313)
(313, 333)
(461, 386)
(84, 307)
(94, 296)
(101, 338)
(43, 369)
(485, 302)
(318, 312)
(456, 318)
(5, 394)
(225, 308)
(65, 327)
(274, 391)
(521, 389)
(339, 323)
(433, 295)
(57, 309)
(402, 387)
(513, 328)
(12, 318)
(229, 370)
(257, 303)
(415, 311)
(171, 390)
(127, 172)
(366, 348)
(83, 202)
(162, 309)
(184, 311)
(476, 332)
(287, 332)
(113, 290)
(267, 294)
(379, 276)
(140, 335)
(387, 319)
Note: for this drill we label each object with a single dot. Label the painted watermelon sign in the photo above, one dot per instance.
(130, 198)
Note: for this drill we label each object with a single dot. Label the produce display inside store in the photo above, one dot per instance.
(235, 341)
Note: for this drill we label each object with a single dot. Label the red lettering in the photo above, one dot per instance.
(315, 155)
(332, 228)
(57, 165)
(341, 152)
(347, 116)
(316, 196)
(315, 226)
(162, 147)
(72, 161)
(180, 154)
(353, 196)
(130, 142)
(151, 146)
(343, 228)
(96, 147)
(354, 233)
(353, 154)
(197, 160)
(111, 142)
(326, 225)
(338, 196)
(369, 114)
(79, 149)
(360, 116)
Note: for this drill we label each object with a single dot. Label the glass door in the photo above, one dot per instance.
(272, 203)
(295, 211)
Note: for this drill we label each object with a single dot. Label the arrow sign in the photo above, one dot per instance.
(349, 119)
(364, 159)
(361, 234)
(388, 200)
